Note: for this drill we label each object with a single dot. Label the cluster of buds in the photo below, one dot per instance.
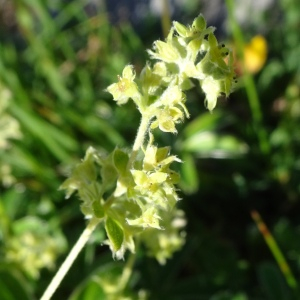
(134, 191)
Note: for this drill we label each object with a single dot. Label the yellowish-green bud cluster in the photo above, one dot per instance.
(188, 53)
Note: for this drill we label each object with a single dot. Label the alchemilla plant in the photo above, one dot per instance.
(132, 192)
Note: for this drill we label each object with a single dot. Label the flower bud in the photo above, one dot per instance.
(181, 29)
(199, 23)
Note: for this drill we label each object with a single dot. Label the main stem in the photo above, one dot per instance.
(138, 143)
(139, 140)
(61, 273)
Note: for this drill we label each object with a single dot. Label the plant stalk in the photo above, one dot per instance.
(274, 248)
(139, 140)
(64, 268)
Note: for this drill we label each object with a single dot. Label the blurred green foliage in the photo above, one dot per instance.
(55, 63)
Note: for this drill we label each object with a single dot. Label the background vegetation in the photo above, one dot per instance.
(56, 59)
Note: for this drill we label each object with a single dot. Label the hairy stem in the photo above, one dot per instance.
(61, 273)
(139, 140)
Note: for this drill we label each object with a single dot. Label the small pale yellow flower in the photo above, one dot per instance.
(125, 88)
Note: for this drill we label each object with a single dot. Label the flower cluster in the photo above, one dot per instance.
(133, 191)
(154, 188)
(194, 52)
(33, 245)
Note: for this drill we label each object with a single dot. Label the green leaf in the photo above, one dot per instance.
(189, 175)
(204, 122)
(108, 174)
(210, 144)
(120, 159)
(82, 176)
(115, 233)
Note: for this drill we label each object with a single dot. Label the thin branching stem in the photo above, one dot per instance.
(139, 140)
(64, 268)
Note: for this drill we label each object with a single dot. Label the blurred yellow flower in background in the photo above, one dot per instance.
(255, 54)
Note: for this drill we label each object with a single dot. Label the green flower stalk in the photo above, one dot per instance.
(133, 191)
